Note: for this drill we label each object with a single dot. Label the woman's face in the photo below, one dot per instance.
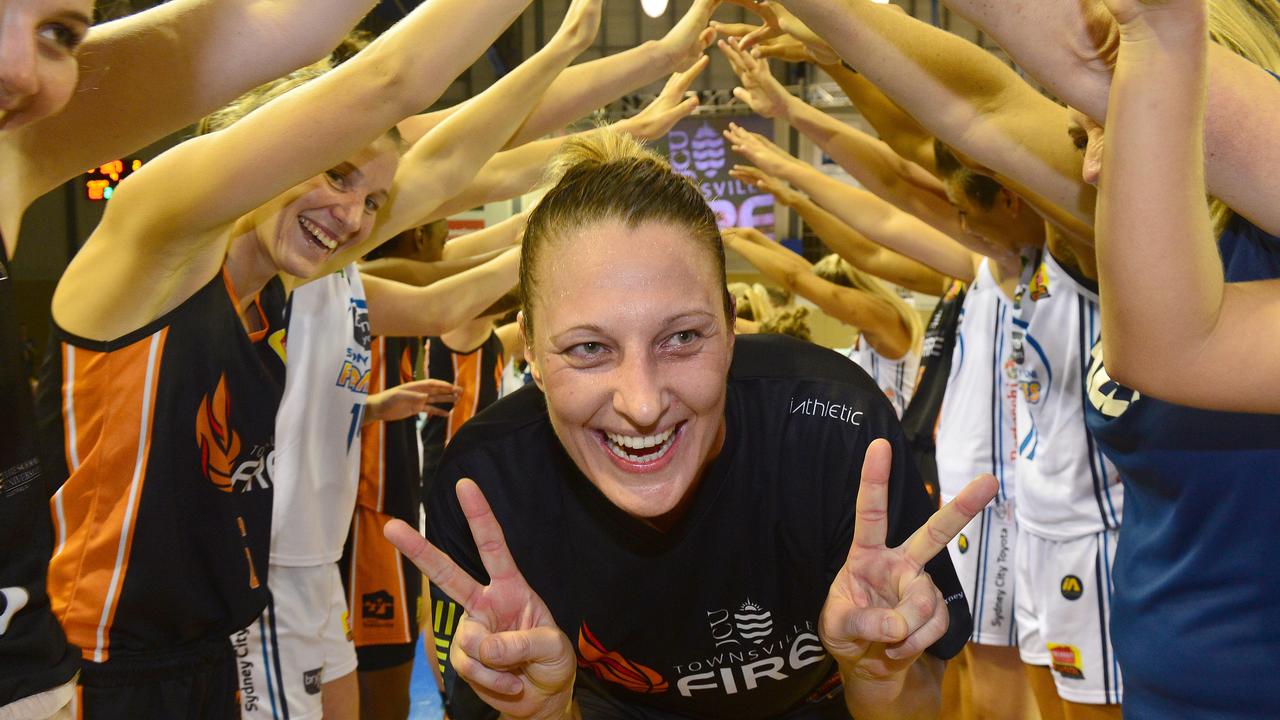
(632, 348)
(302, 229)
(38, 68)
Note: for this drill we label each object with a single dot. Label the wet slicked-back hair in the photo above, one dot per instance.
(608, 176)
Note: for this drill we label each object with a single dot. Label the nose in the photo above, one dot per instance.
(348, 212)
(18, 77)
(639, 395)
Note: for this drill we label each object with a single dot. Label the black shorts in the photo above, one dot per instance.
(192, 684)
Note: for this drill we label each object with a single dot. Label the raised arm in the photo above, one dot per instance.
(1071, 48)
(961, 93)
(417, 272)
(499, 236)
(874, 317)
(896, 127)
(848, 243)
(154, 72)
(863, 211)
(1207, 343)
(400, 310)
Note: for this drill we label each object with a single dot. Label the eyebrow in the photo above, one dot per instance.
(75, 16)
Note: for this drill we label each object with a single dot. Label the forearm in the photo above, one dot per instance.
(401, 311)
(508, 174)
(773, 265)
(414, 272)
(884, 224)
(895, 127)
(959, 92)
(1154, 230)
(497, 237)
(156, 71)
(860, 252)
(916, 693)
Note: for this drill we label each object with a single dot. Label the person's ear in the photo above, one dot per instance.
(528, 351)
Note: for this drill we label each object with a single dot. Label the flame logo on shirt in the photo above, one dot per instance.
(612, 667)
(219, 445)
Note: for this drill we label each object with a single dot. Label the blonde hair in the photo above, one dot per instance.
(789, 322)
(606, 175)
(1250, 29)
(836, 269)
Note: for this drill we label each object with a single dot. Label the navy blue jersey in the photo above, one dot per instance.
(717, 617)
(1197, 597)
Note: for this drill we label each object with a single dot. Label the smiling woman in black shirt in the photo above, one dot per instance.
(669, 525)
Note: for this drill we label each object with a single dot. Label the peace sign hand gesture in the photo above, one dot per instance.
(507, 646)
(883, 609)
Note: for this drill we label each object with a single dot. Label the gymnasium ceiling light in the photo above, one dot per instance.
(653, 8)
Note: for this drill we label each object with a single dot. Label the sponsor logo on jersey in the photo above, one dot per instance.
(835, 411)
(1066, 661)
(611, 666)
(276, 341)
(220, 449)
(346, 625)
(249, 697)
(354, 374)
(1072, 587)
(754, 623)
(1030, 386)
(311, 681)
(18, 478)
(12, 599)
(962, 542)
(377, 605)
(360, 323)
(1039, 286)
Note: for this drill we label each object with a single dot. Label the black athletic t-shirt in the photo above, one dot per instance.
(920, 420)
(718, 616)
(34, 654)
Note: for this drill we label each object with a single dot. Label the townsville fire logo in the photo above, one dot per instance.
(611, 667)
(754, 623)
(219, 445)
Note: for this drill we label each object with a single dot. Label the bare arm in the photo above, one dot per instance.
(874, 317)
(1070, 47)
(495, 237)
(512, 341)
(1209, 344)
(961, 93)
(863, 211)
(400, 310)
(159, 70)
(416, 272)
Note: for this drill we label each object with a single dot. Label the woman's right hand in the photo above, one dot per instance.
(507, 646)
(580, 25)
(760, 152)
(760, 180)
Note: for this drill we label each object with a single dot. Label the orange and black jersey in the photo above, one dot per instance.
(34, 655)
(718, 616)
(390, 480)
(479, 373)
(162, 524)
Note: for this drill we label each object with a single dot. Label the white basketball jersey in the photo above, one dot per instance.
(1066, 488)
(897, 378)
(317, 456)
(976, 432)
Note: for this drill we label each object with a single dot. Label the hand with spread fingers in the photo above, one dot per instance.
(507, 645)
(766, 156)
(759, 89)
(669, 107)
(780, 191)
(689, 38)
(409, 399)
(883, 609)
(778, 23)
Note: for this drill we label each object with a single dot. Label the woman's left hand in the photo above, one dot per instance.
(409, 399)
(883, 609)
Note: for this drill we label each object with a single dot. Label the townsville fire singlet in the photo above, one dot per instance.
(920, 420)
(1197, 585)
(383, 588)
(718, 616)
(976, 424)
(34, 655)
(318, 426)
(896, 378)
(163, 521)
(479, 373)
(1066, 488)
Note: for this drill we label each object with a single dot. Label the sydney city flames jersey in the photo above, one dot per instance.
(163, 521)
(318, 425)
(478, 372)
(976, 432)
(1066, 488)
(767, 530)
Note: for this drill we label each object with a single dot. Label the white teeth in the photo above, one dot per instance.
(640, 442)
(663, 441)
(318, 233)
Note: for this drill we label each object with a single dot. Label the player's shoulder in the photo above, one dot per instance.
(515, 423)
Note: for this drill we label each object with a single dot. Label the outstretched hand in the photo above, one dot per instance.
(580, 24)
(760, 180)
(689, 38)
(669, 107)
(778, 23)
(409, 399)
(759, 89)
(759, 151)
(883, 609)
(507, 645)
